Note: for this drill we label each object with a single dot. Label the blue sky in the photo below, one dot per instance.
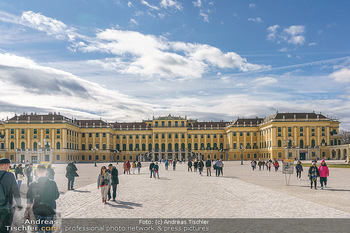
(210, 60)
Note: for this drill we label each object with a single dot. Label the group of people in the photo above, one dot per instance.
(41, 195)
(127, 166)
(107, 179)
(217, 166)
(261, 163)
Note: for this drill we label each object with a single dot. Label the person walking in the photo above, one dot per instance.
(195, 165)
(276, 165)
(113, 171)
(71, 173)
(128, 166)
(260, 164)
(189, 165)
(104, 182)
(166, 164)
(263, 164)
(124, 167)
(313, 174)
(253, 164)
(200, 167)
(133, 167)
(29, 174)
(50, 173)
(41, 197)
(156, 170)
(324, 173)
(19, 175)
(151, 168)
(138, 167)
(208, 166)
(174, 164)
(299, 169)
(9, 191)
(221, 168)
(217, 166)
(269, 165)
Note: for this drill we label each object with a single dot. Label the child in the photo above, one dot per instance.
(299, 169)
(313, 174)
(324, 172)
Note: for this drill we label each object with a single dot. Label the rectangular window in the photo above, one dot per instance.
(241, 134)
(90, 146)
(163, 123)
(169, 135)
(323, 128)
(234, 134)
(183, 135)
(289, 134)
(90, 135)
(83, 146)
(83, 135)
(48, 136)
(130, 137)
(117, 136)
(97, 146)
(97, 135)
(312, 129)
(176, 123)
(143, 136)
(58, 136)
(189, 136)
(214, 135)
(58, 157)
(156, 123)
(137, 136)
(23, 131)
(248, 133)
(202, 135)
(47, 131)
(182, 123)
(279, 129)
(35, 136)
(104, 135)
(104, 147)
(150, 136)
(58, 131)
(323, 134)
(195, 136)
(301, 129)
(234, 145)
(221, 136)
(12, 131)
(279, 135)
(208, 136)
(289, 129)
(313, 134)
(169, 123)
(35, 131)
(124, 136)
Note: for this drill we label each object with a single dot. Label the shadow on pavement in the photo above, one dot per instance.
(81, 191)
(124, 205)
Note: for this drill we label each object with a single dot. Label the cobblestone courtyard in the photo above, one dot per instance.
(240, 193)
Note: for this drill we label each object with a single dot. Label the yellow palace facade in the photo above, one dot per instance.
(57, 139)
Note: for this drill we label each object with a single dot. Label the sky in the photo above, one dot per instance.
(209, 60)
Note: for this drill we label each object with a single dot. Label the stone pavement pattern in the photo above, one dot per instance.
(188, 195)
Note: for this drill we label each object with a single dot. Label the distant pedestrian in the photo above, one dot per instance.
(263, 164)
(208, 166)
(189, 165)
(41, 196)
(133, 167)
(71, 173)
(217, 167)
(195, 165)
(9, 191)
(124, 167)
(299, 169)
(166, 164)
(29, 174)
(221, 168)
(260, 164)
(200, 167)
(151, 169)
(253, 164)
(324, 173)
(269, 165)
(128, 166)
(313, 174)
(113, 171)
(276, 165)
(19, 175)
(50, 173)
(156, 170)
(104, 182)
(174, 165)
(138, 167)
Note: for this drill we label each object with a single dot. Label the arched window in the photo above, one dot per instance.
(196, 146)
(222, 146)
(324, 142)
(176, 147)
(12, 145)
(189, 146)
(169, 147)
(130, 147)
(301, 143)
(58, 145)
(215, 146)
(279, 143)
(313, 143)
(143, 147)
(182, 146)
(35, 146)
(137, 147)
(149, 146)
(124, 147)
(163, 146)
(23, 145)
(208, 146)
(118, 147)
(156, 147)
(202, 146)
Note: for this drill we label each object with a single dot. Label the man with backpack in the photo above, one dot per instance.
(8, 191)
(71, 173)
(113, 171)
(41, 196)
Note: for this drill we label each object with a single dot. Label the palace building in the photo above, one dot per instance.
(57, 139)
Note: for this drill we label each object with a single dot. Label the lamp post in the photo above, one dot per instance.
(242, 149)
(95, 149)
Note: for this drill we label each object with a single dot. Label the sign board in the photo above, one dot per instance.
(288, 167)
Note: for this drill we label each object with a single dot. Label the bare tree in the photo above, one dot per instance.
(345, 137)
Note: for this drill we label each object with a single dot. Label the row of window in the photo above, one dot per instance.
(170, 146)
(169, 136)
(162, 123)
(97, 135)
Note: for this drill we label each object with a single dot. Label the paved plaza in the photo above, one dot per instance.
(240, 193)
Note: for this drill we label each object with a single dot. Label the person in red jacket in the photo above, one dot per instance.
(324, 173)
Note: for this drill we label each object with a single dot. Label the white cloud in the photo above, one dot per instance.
(171, 4)
(312, 44)
(283, 50)
(292, 35)
(252, 5)
(204, 15)
(130, 4)
(264, 81)
(149, 5)
(257, 20)
(342, 75)
(133, 21)
(198, 3)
